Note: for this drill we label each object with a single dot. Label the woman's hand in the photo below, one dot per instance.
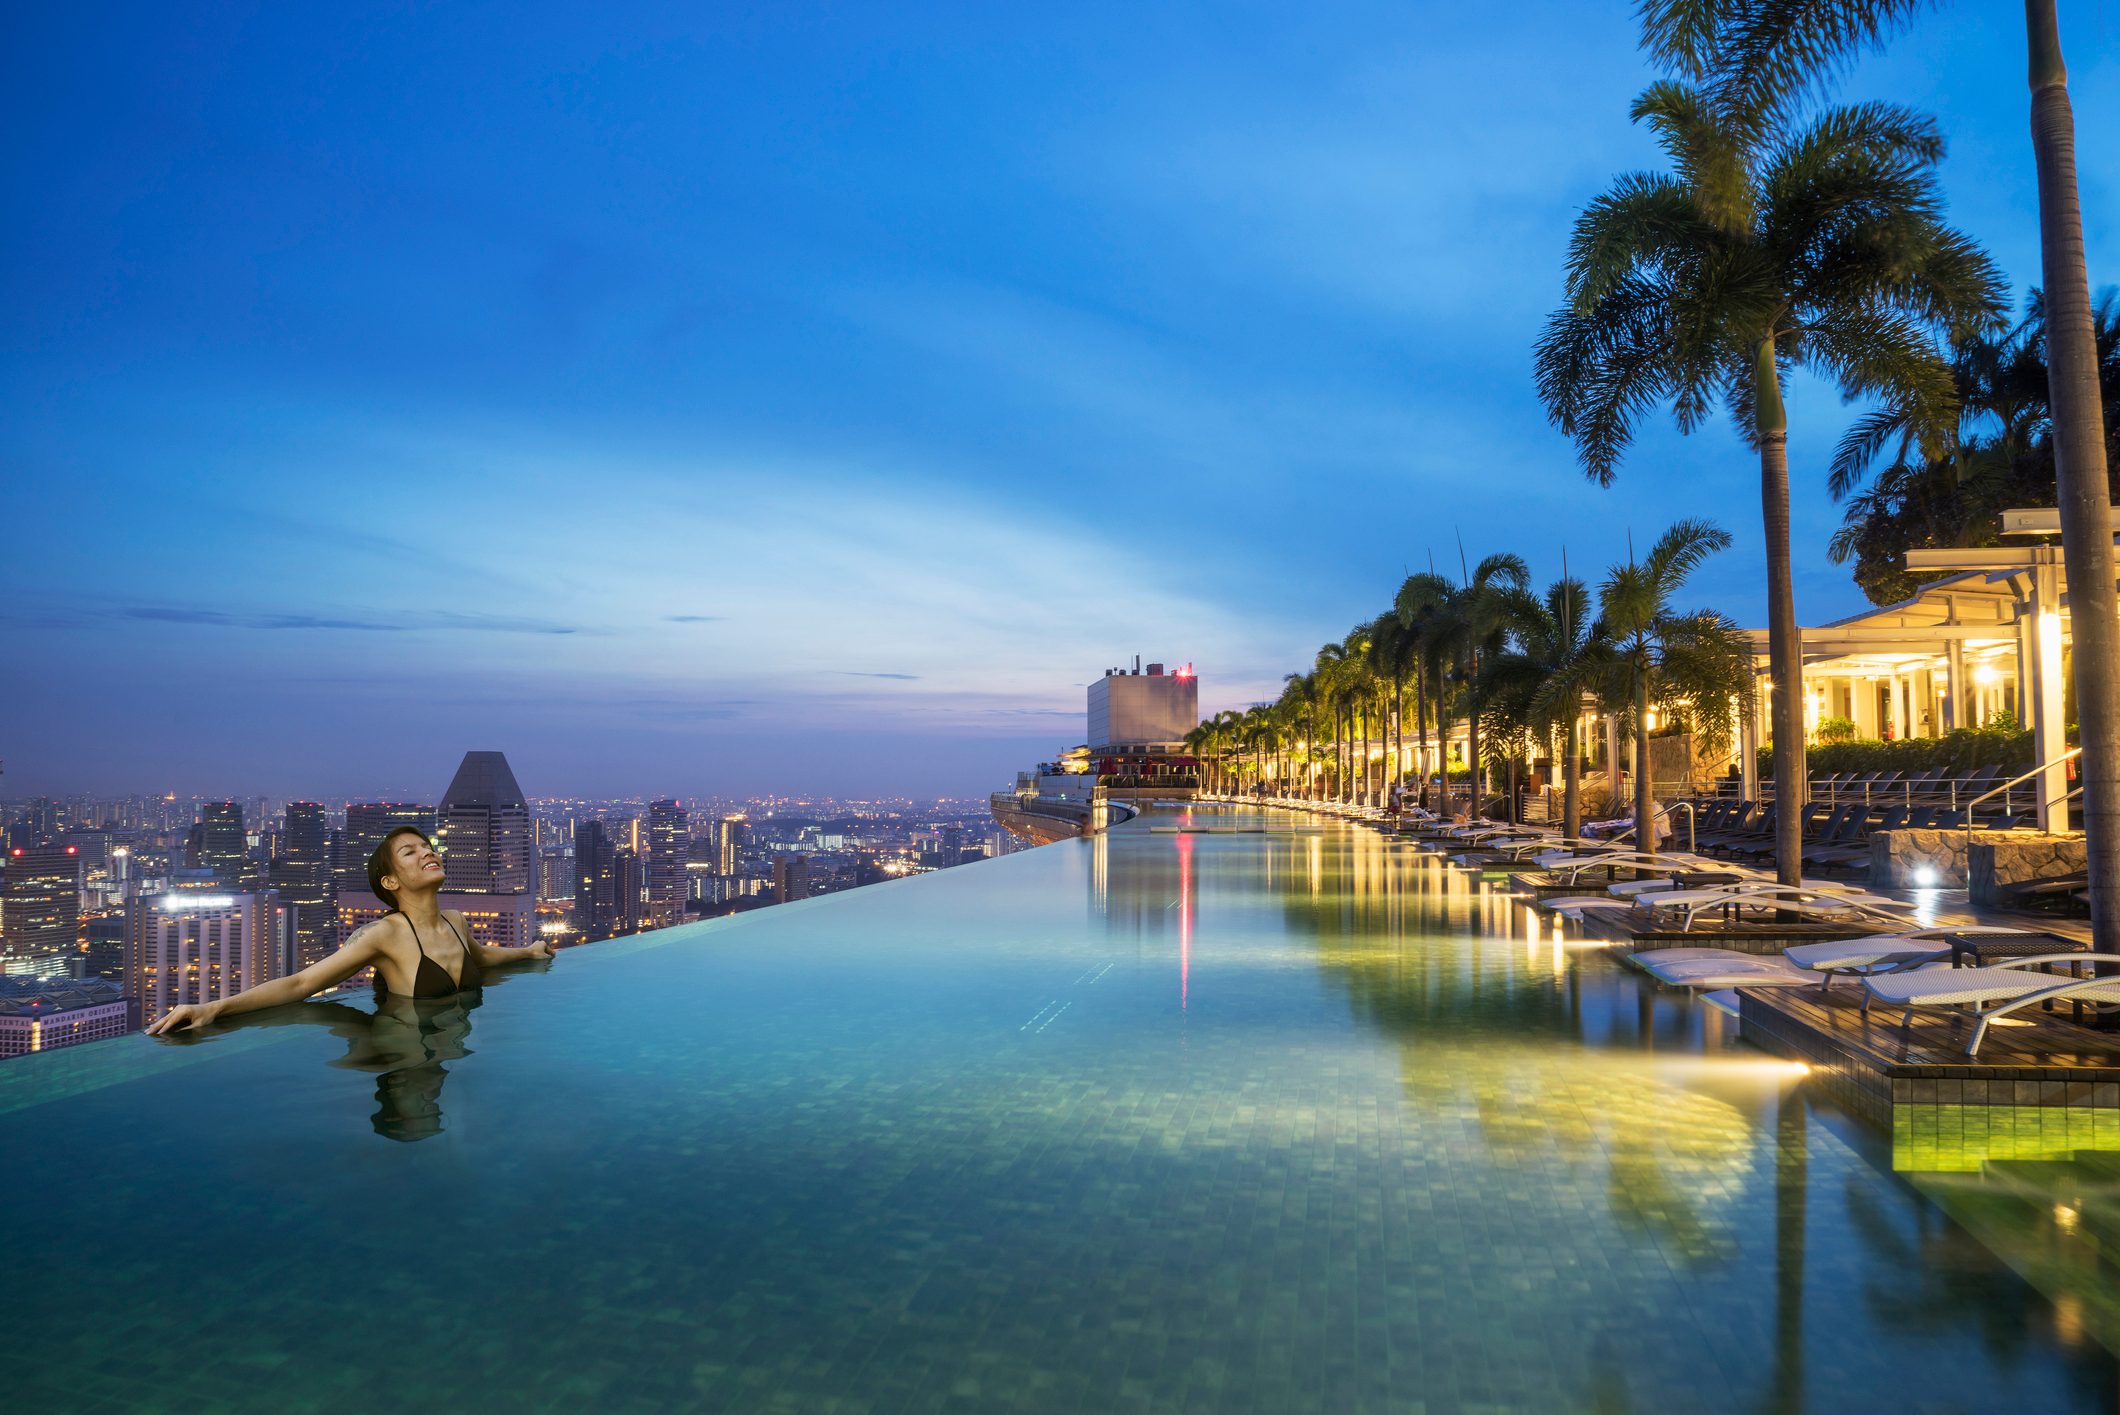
(541, 949)
(185, 1017)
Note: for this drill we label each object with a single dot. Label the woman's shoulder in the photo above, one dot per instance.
(386, 930)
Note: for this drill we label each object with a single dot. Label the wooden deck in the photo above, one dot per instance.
(1871, 1066)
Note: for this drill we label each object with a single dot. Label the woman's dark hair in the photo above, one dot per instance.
(379, 862)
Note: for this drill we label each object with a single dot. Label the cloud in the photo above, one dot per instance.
(897, 677)
(693, 618)
(444, 620)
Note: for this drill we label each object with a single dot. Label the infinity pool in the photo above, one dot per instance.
(1254, 1122)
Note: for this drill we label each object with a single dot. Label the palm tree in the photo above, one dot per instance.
(1423, 607)
(1299, 705)
(1769, 53)
(1480, 617)
(1394, 655)
(1769, 247)
(1692, 663)
(1557, 654)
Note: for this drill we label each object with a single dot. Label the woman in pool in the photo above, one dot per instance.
(417, 950)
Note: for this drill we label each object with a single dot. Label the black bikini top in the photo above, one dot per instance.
(433, 979)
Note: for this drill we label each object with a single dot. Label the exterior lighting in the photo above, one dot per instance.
(1925, 877)
(1986, 675)
(179, 902)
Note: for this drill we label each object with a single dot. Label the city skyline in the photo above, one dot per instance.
(704, 405)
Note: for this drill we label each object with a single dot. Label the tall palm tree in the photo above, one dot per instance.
(1299, 703)
(1394, 656)
(1691, 663)
(1423, 607)
(1480, 618)
(1770, 53)
(1557, 654)
(1767, 248)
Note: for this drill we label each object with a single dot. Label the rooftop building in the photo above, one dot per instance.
(39, 1014)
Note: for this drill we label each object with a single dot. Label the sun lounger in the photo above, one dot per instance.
(1884, 953)
(1811, 901)
(1994, 991)
(1712, 969)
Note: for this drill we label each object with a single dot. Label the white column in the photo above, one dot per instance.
(1612, 760)
(1748, 743)
(1955, 705)
(2047, 708)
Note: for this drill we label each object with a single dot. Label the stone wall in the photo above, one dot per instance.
(2001, 858)
(1908, 859)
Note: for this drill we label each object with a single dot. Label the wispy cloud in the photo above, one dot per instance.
(436, 620)
(857, 673)
(694, 618)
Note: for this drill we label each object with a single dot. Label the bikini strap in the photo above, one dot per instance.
(461, 941)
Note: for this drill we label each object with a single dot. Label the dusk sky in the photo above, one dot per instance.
(687, 399)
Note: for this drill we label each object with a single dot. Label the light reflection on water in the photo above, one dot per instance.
(1286, 1121)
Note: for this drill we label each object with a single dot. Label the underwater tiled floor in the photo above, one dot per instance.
(1265, 1123)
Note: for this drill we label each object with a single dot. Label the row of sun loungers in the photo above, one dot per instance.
(1900, 966)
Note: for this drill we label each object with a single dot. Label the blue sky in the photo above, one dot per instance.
(813, 398)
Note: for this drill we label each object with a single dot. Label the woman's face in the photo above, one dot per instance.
(413, 863)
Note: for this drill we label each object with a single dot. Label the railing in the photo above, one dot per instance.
(2069, 755)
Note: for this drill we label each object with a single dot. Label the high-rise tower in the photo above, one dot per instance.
(301, 873)
(224, 845)
(669, 851)
(486, 840)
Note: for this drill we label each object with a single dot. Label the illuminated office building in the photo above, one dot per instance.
(484, 829)
(367, 822)
(193, 946)
(301, 874)
(224, 845)
(40, 910)
(729, 835)
(791, 878)
(669, 848)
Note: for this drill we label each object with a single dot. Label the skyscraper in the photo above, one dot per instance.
(669, 849)
(629, 890)
(729, 834)
(791, 878)
(485, 834)
(301, 874)
(40, 909)
(192, 946)
(367, 822)
(595, 892)
(224, 845)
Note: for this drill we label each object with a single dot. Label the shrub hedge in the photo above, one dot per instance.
(1961, 752)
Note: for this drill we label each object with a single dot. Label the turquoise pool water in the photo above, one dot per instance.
(1249, 1122)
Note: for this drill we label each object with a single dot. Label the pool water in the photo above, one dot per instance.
(1265, 1122)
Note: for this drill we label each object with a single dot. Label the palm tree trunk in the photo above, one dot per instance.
(1784, 639)
(1644, 822)
(2079, 468)
(1420, 725)
(1571, 791)
(1472, 739)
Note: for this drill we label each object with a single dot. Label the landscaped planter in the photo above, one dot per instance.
(2001, 858)
(1908, 859)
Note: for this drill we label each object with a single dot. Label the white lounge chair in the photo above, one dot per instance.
(1690, 904)
(1994, 991)
(1885, 953)
(1712, 969)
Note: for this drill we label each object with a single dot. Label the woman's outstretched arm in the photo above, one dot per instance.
(491, 957)
(360, 951)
